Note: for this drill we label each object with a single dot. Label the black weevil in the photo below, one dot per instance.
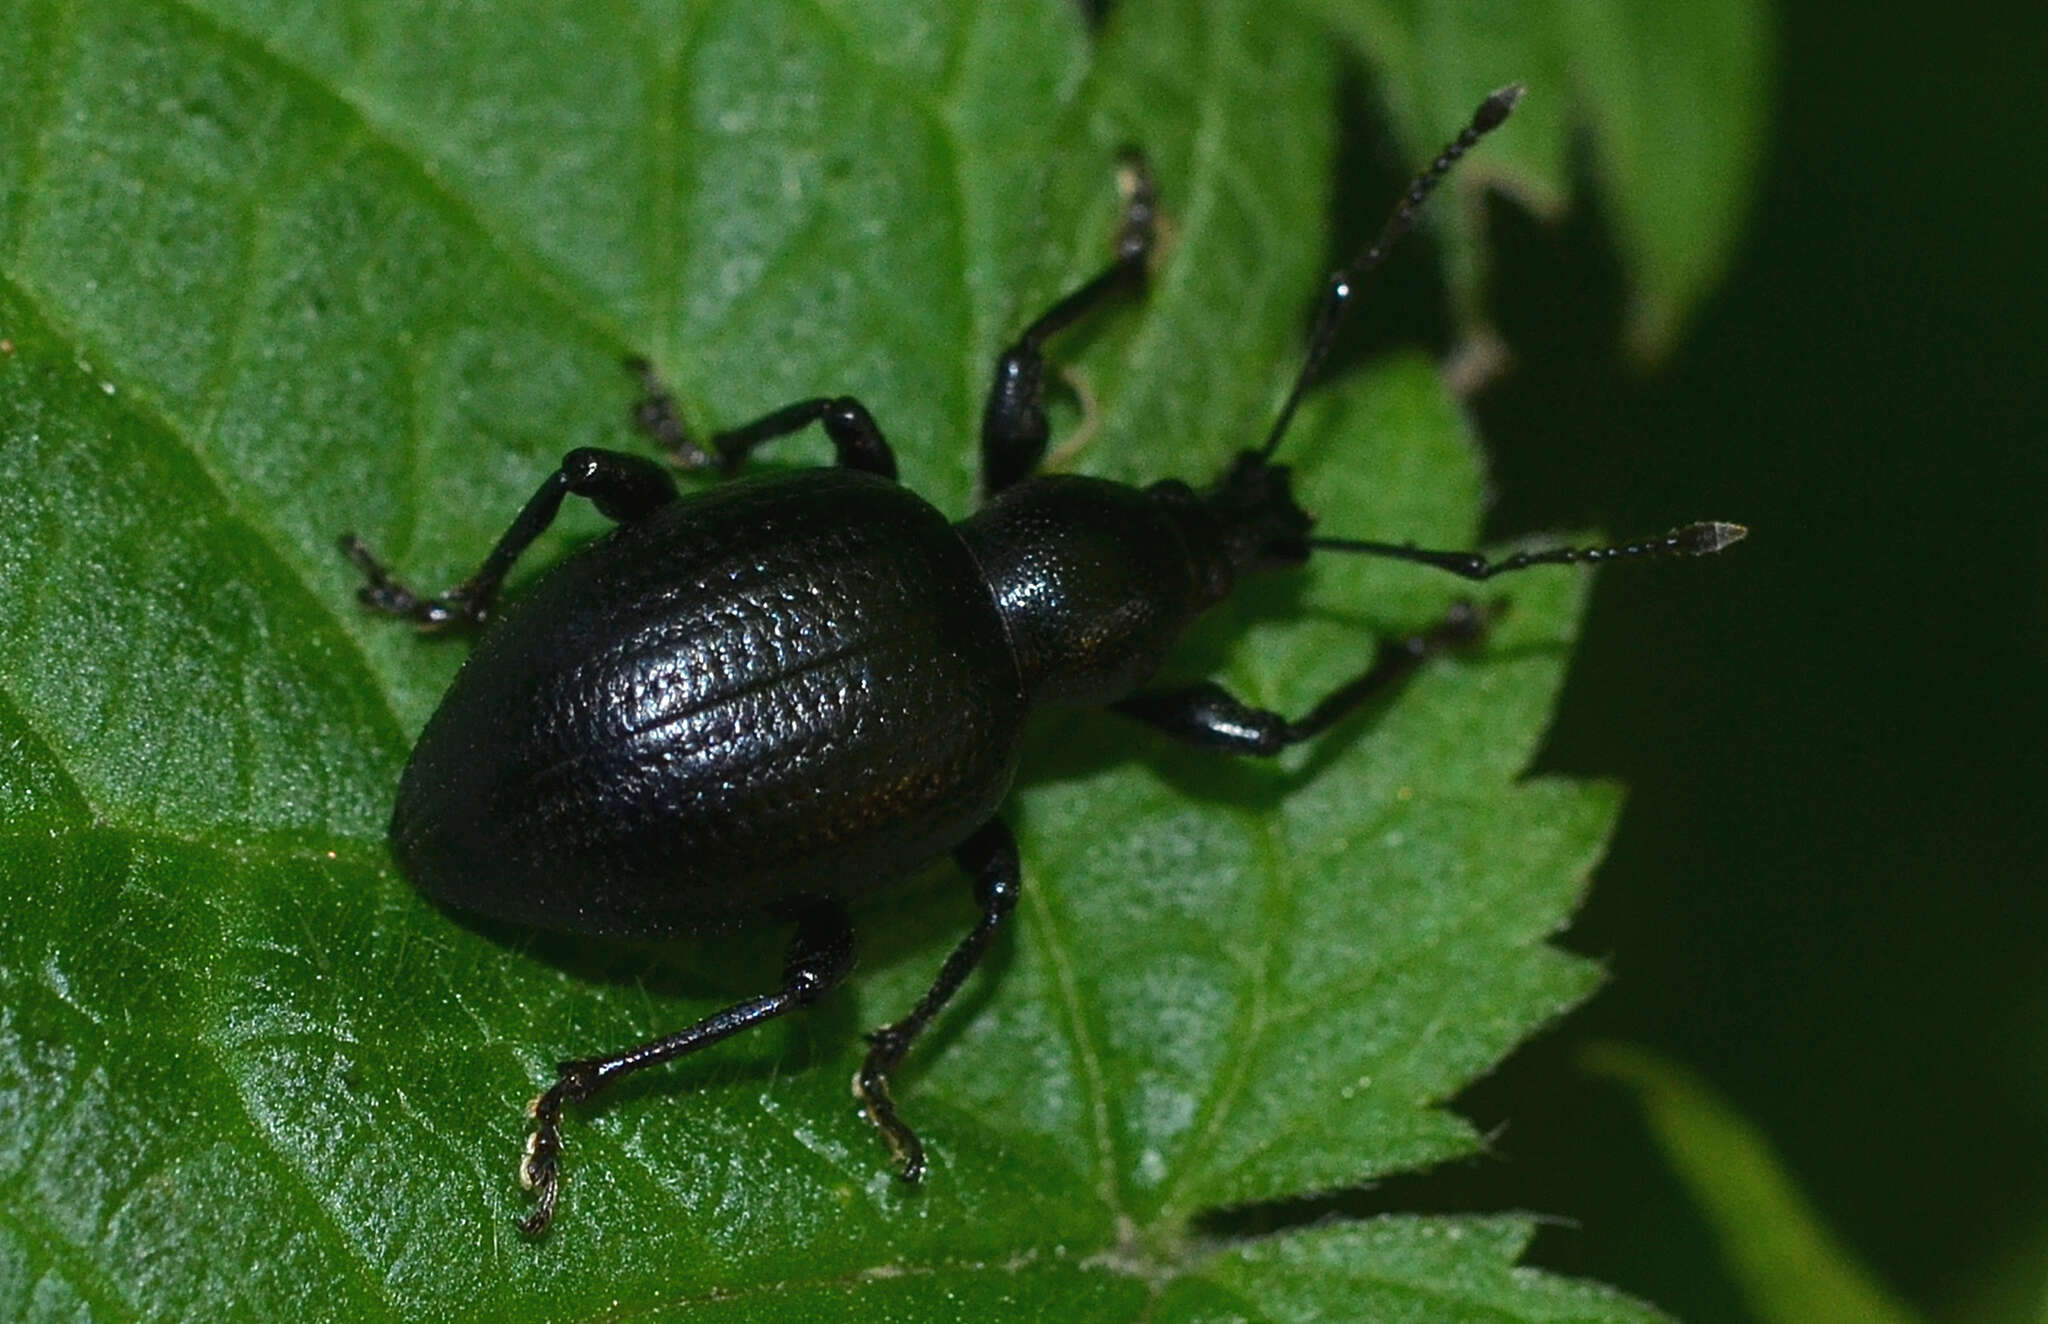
(764, 699)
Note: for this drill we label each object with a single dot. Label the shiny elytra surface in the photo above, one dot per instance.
(781, 686)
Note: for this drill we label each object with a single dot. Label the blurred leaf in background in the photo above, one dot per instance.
(269, 271)
(1790, 1266)
(1671, 102)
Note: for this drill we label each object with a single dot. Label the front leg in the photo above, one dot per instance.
(856, 438)
(1208, 715)
(624, 487)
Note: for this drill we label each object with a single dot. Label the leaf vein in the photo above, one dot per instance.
(1108, 1182)
(65, 50)
(141, 402)
(851, 1281)
(262, 852)
(298, 1180)
(667, 223)
(582, 304)
(10, 707)
(930, 106)
(1252, 1020)
(67, 1257)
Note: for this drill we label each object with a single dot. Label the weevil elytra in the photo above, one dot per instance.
(757, 701)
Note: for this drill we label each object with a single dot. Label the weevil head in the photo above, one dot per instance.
(1247, 521)
(1262, 526)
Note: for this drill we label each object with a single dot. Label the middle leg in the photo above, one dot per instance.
(854, 434)
(1013, 424)
(1208, 715)
(991, 856)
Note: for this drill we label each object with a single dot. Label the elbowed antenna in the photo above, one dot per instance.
(1703, 539)
(1344, 281)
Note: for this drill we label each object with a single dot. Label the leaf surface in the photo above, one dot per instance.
(269, 271)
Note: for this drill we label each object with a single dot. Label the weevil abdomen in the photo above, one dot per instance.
(783, 688)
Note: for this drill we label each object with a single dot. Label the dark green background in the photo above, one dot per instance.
(1828, 890)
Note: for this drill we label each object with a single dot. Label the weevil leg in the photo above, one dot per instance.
(1208, 715)
(1013, 425)
(990, 855)
(624, 487)
(656, 414)
(854, 434)
(821, 955)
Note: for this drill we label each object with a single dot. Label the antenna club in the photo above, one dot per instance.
(1497, 107)
(1707, 538)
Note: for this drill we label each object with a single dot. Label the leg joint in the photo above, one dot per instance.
(807, 983)
(821, 956)
(998, 893)
(623, 487)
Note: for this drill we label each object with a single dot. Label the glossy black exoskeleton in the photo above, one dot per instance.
(763, 699)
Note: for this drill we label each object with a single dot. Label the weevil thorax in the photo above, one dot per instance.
(1096, 580)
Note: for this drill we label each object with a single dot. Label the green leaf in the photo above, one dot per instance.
(1789, 1264)
(269, 271)
(1672, 99)
(1392, 1269)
